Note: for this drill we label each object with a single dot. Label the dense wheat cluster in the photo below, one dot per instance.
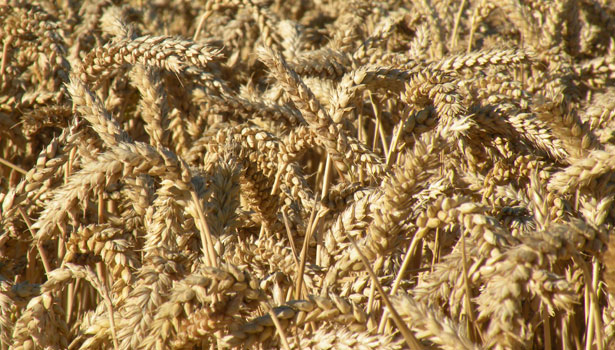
(326, 174)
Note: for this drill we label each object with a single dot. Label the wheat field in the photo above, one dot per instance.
(325, 174)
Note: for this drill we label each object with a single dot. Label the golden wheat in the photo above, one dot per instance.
(307, 175)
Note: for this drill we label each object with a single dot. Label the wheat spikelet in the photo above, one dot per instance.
(433, 325)
(339, 338)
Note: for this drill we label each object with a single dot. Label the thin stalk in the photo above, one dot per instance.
(278, 327)
(291, 240)
(278, 175)
(456, 26)
(326, 184)
(39, 245)
(410, 339)
(399, 277)
(206, 240)
(5, 52)
(594, 326)
(306, 239)
(546, 326)
(13, 166)
(596, 313)
(394, 143)
(379, 120)
(110, 311)
(473, 25)
(199, 26)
